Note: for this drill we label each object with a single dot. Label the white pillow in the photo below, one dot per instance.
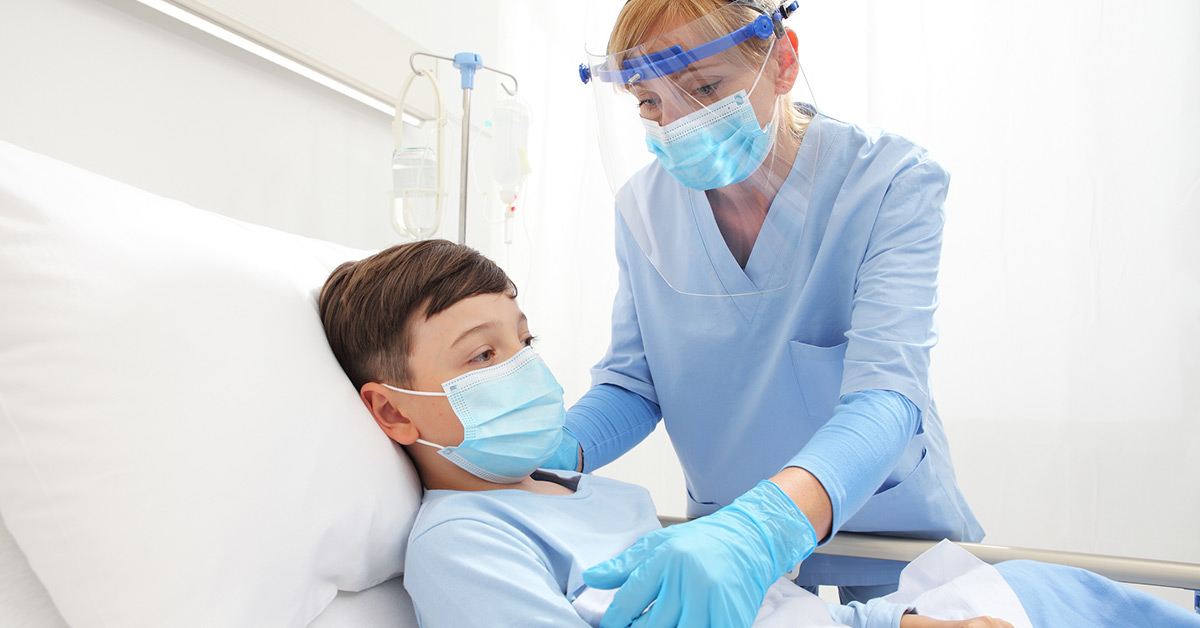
(178, 446)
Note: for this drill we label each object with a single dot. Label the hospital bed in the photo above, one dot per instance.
(1155, 573)
(178, 445)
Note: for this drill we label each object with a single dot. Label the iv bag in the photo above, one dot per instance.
(415, 182)
(510, 140)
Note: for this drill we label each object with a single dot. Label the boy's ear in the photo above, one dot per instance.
(389, 417)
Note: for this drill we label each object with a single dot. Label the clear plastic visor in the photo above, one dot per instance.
(711, 103)
(682, 82)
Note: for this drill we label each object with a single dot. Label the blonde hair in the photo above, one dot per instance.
(639, 18)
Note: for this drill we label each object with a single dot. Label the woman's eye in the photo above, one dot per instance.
(645, 98)
(484, 356)
(528, 342)
(707, 90)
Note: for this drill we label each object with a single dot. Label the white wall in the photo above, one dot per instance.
(120, 90)
(1070, 313)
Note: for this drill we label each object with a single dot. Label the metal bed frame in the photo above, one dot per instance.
(1158, 573)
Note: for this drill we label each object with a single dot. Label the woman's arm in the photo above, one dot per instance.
(849, 457)
(607, 422)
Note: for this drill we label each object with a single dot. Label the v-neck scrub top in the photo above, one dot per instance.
(743, 382)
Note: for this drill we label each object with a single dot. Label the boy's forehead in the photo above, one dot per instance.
(470, 314)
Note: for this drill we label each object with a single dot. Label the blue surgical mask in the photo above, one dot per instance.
(512, 416)
(718, 145)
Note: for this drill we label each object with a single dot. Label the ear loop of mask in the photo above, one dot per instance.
(775, 113)
(763, 67)
(773, 125)
(420, 393)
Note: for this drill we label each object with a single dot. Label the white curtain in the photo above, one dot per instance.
(1067, 372)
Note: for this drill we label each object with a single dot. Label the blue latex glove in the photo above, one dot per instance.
(566, 457)
(713, 571)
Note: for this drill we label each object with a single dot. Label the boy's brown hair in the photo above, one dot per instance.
(367, 306)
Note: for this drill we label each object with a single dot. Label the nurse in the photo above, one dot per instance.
(778, 274)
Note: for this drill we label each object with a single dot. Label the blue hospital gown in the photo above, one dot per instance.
(513, 558)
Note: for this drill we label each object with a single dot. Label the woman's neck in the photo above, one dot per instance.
(740, 209)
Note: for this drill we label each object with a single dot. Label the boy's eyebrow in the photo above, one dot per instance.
(480, 327)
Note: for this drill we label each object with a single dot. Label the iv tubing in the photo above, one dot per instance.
(398, 133)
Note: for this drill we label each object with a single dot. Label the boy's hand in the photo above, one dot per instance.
(920, 621)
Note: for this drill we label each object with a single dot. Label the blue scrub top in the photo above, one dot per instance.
(744, 382)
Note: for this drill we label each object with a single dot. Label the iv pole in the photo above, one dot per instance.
(466, 63)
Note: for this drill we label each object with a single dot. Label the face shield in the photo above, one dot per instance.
(711, 102)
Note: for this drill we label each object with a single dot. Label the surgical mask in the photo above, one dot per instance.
(512, 416)
(718, 145)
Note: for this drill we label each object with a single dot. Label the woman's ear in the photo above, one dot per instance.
(388, 415)
(787, 60)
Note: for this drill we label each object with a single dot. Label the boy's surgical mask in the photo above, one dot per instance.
(512, 416)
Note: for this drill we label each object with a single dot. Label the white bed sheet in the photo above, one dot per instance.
(386, 605)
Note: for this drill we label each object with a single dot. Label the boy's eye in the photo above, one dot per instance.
(528, 342)
(484, 356)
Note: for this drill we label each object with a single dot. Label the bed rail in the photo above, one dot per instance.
(1160, 573)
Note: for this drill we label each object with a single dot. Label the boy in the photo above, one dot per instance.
(431, 336)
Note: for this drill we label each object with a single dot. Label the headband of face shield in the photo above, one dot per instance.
(699, 101)
(512, 416)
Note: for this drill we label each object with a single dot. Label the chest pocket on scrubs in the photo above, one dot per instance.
(818, 376)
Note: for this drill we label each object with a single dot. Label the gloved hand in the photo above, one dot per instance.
(566, 457)
(713, 571)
